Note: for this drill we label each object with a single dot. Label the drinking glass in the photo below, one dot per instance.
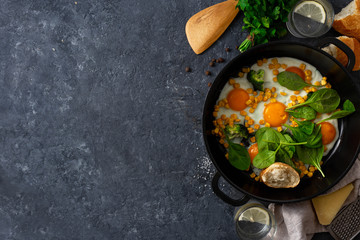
(253, 221)
(302, 23)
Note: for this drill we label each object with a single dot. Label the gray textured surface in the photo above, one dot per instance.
(101, 126)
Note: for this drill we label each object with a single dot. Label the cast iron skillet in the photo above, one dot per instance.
(338, 161)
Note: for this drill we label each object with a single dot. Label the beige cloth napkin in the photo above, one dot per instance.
(299, 220)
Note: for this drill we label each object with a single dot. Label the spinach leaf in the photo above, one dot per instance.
(291, 81)
(299, 135)
(302, 134)
(348, 108)
(314, 140)
(305, 112)
(268, 138)
(267, 134)
(306, 126)
(238, 156)
(323, 101)
(311, 156)
(274, 146)
(289, 140)
(286, 151)
(264, 159)
(285, 155)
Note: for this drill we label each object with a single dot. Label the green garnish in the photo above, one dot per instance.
(322, 101)
(305, 112)
(264, 20)
(292, 81)
(348, 108)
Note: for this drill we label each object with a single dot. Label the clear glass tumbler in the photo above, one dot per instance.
(310, 18)
(254, 221)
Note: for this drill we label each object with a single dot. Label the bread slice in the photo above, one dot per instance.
(347, 21)
(353, 44)
(280, 175)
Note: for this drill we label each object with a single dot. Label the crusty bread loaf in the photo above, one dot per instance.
(347, 21)
(352, 43)
(280, 175)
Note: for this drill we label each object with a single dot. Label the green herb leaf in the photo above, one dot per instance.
(265, 22)
(348, 108)
(239, 156)
(264, 159)
(314, 140)
(323, 101)
(305, 112)
(290, 140)
(264, 19)
(271, 141)
(268, 138)
(303, 133)
(299, 135)
(276, 12)
(306, 126)
(311, 156)
(291, 81)
(242, 4)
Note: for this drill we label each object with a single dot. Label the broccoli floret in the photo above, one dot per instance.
(257, 79)
(236, 131)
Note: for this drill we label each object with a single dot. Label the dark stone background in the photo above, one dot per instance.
(101, 126)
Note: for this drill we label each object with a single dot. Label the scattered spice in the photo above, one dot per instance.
(213, 60)
(209, 84)
(187, 69)
(208, 73)
(212, 64)
(227, 49)
(220, 60)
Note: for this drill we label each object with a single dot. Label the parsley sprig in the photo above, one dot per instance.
(264, 19)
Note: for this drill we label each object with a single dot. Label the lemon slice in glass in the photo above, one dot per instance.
(255, 214)
(312, 10)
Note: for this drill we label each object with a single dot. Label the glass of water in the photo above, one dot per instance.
(310, 18)
(254, 221)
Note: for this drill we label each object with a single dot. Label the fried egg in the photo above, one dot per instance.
(329, 132)
(239, 102)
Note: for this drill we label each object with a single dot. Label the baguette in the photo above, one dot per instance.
(280, 175)
(353, 44)
(347, 21)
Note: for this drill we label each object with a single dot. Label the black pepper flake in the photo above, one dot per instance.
(187, 69)
(208, 73)
(227, 49)
(220, 60)
(211, 64)
(213, 60)
(209, 84)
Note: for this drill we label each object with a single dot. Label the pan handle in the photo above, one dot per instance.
(349, 53)
(223, 196)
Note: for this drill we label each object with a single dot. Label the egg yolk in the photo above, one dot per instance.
(296, 70)
(237, 99)
(328, 132)
(253, 151)
(275, 115)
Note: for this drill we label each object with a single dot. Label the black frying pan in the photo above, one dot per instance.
(336, 164)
